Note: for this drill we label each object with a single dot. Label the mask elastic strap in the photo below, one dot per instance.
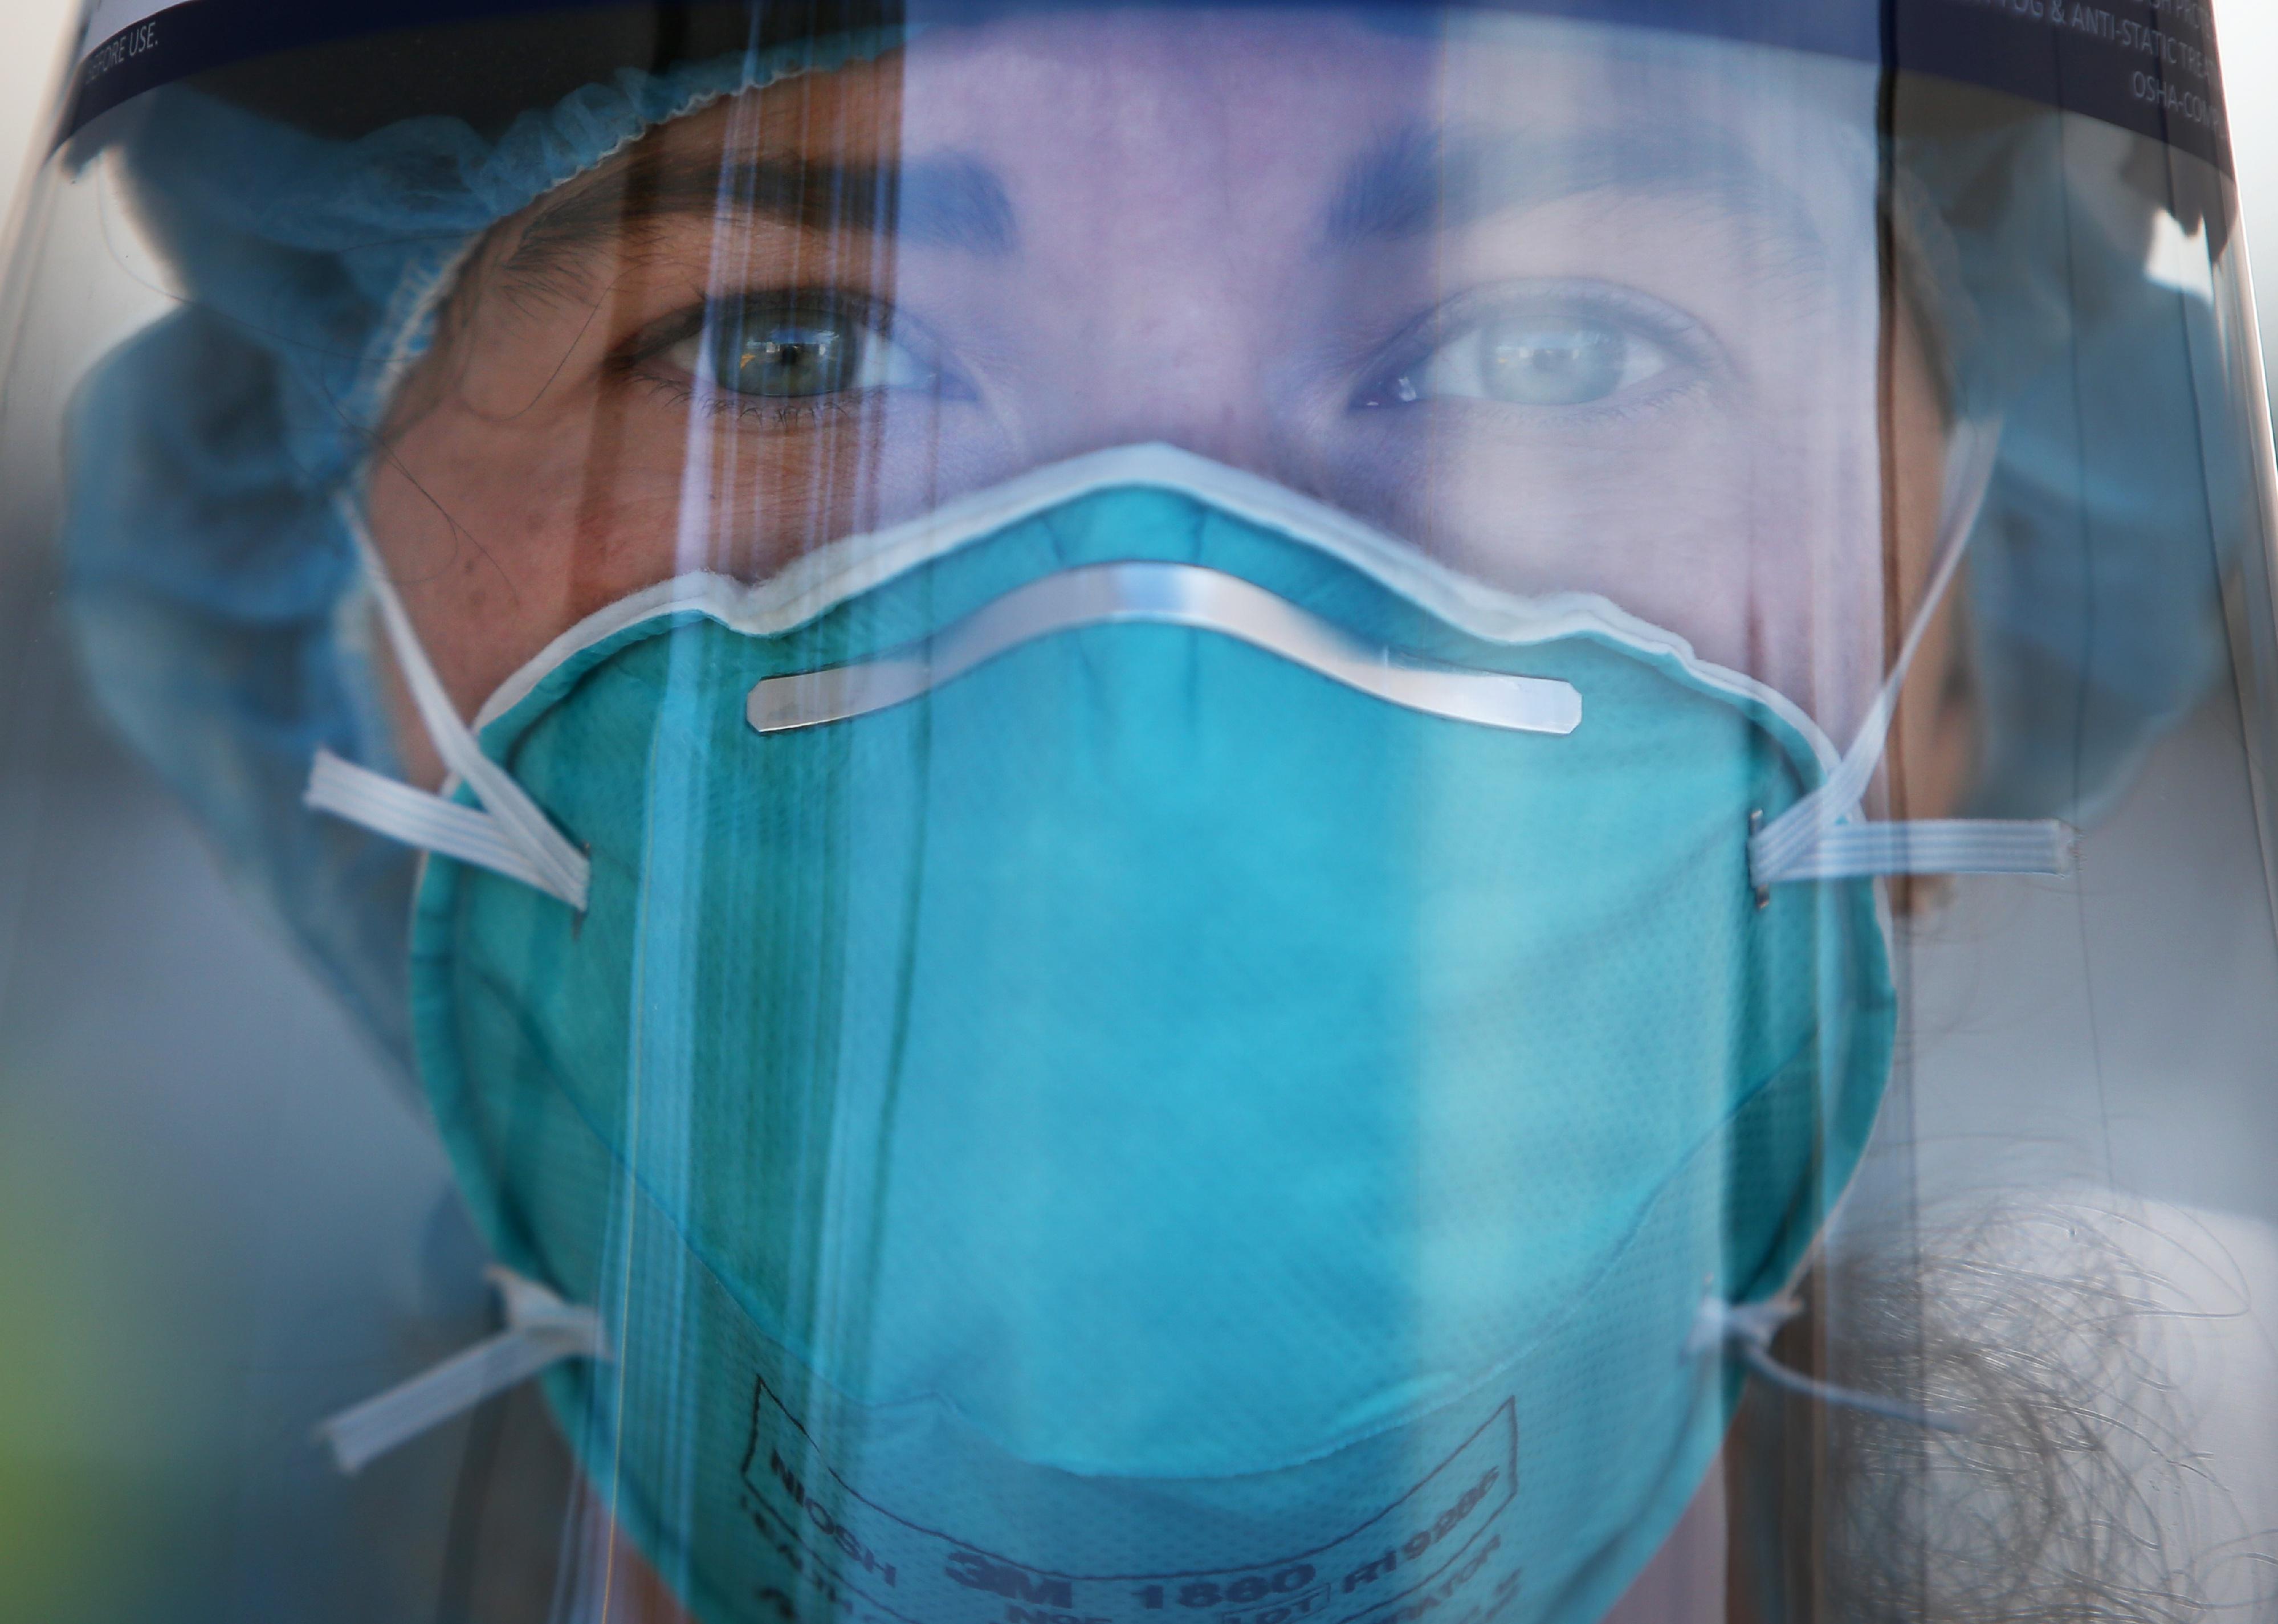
(509, 834)
(541, 1331)
(1820, 836)
(1747, 1329)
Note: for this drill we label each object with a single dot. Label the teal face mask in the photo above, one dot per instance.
(1142, 1129)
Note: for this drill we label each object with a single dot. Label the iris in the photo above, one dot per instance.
(790, 350)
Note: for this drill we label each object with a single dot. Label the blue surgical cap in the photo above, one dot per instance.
(212, 585)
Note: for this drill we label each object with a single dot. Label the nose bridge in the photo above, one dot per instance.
(1174, 338)
(1159, 316)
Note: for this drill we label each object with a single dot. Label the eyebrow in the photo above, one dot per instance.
(949, 202)
(1417, 181)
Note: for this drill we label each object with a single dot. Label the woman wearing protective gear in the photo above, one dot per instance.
(1191, 777)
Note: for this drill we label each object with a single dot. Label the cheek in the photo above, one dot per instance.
(502, 533)
(1814, 528)
(1755, 537)
(1662, 530)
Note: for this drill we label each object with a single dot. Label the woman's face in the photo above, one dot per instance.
(1566, 309)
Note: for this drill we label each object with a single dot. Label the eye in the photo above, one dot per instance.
(1528, 358)
(796, 346)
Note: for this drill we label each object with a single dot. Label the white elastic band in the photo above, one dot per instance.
(1932, 846)
(1819, 837)
(548, 860)
(1746, 1328)
(390, 807)
(542, 1330)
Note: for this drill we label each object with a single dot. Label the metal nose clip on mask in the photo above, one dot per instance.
(1136, 1045)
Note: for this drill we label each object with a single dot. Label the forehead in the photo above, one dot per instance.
(1199, 106)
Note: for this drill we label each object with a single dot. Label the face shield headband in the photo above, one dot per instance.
(1267, 881)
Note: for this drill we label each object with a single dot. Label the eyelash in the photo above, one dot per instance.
(762, 412)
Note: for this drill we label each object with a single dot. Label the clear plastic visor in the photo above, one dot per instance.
(1290, 814)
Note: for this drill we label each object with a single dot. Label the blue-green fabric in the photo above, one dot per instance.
(1144, 1129)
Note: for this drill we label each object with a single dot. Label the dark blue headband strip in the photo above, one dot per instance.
(2146, 65)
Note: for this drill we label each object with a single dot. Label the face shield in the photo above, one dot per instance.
(1268, 813)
